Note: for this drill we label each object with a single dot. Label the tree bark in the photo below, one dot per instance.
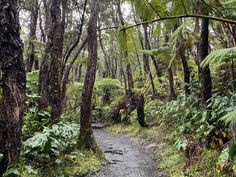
(205, 73)
(181, 53)
(86, 138)
(50, 72)
(55, 56)
(140, 111)
(43, 90)
(13, 84)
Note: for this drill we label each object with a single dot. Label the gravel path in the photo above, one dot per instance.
(126, 156)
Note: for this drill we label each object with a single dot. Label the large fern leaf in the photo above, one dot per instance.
(229, 118)
(220, 57)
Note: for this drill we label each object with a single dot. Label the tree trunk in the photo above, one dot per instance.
(67, 69)
(140, 111)
(33, 27)
(50, 72)
(128, 66)
(181, 53)
(106, 73)
(205, 73)
(55, 56)
(171, 84)
(13, 84)
(78, 77)
(86, 138)
(45, 64)
(146, 58)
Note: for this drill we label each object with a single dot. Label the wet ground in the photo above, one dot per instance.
(127, 156)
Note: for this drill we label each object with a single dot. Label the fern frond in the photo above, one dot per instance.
(229, 118)
(219, 57)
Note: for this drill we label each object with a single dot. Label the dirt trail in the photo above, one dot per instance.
(126, 156)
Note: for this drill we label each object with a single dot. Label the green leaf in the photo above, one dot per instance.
(11, 171)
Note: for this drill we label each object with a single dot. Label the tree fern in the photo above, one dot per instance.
(164, 55)
(220, 57)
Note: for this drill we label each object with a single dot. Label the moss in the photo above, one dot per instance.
(86, 162)
(77, 163)
(172, 160)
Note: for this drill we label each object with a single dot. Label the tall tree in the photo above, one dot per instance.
(31, 58)
(13, 84)
(86, 138)
(128, 66)
(205, 73)
(50, 71)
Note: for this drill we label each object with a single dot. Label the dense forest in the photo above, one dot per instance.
(139, 88)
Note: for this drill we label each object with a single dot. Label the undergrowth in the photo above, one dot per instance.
(171, 158)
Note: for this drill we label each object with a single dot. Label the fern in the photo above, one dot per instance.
(176, 36)
(229, 118)
(164, 54)
(220, 57)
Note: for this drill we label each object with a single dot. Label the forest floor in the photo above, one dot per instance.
(127, 157)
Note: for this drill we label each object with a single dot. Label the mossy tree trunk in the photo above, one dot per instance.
(50, 71)
(86, 138)
(13, 84)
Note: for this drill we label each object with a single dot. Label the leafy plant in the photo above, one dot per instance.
(52, 141)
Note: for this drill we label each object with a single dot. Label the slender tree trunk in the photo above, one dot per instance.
(43, 90)
(86, 138)
(42, 30)
(128, 66)
(55, 56)
(67, 70)
(140, 111)
(181, 53)
(79, 73)
(33, 26)
(13, 84)
(205, 73)
(147, 69)
(50, 71)
(107, 68)
(171, 84)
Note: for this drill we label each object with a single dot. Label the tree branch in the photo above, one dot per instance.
(181, 16)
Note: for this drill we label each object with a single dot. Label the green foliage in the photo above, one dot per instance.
(74, 95)
(108, 87)
(11, 171)
(52, 141)
(219, 57)
(32, 80)
(229, 118)
(34, 120)
(223, 159)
